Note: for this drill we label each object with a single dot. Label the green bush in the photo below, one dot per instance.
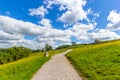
(13, 54)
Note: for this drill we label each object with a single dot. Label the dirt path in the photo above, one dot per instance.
(58, 68)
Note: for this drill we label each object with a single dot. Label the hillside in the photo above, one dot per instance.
(97, 61)
(92, 61)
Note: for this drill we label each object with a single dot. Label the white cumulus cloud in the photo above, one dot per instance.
(13, 32)
(46, 23)
(74, 11)
(14, 26)
(40, 11)
(103, 34)
(114, 20)
(80, 31)
(7, 36)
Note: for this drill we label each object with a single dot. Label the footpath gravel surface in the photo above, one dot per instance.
(58, 68)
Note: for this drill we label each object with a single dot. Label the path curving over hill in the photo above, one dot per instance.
(58, 68)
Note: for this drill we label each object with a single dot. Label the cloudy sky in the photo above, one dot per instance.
(34, 23)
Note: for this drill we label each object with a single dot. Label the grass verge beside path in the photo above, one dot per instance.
(97, 61)
(25, 68)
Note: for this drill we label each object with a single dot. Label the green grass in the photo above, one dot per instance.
(97, 61)
(25, 68)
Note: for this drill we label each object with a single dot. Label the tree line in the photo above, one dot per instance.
(16, 53)
(13, 54)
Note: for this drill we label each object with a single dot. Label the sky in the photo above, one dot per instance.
(34, 23)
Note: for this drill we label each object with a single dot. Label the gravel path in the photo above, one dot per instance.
(58, 68)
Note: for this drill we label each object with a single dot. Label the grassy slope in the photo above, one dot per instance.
(25, 68)
(97, 61)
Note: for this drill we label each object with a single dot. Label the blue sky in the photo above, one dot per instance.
(33, 23)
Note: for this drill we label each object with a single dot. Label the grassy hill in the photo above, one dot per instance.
(25, 68)
(92, 61)
(97, 61)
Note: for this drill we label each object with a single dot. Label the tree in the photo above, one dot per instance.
(74, 44)
(63, 46)
(97, 41)
(37, 50)
(13, 54)
(48, 47)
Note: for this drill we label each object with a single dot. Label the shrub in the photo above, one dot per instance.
(63, 46)
(13, 53)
